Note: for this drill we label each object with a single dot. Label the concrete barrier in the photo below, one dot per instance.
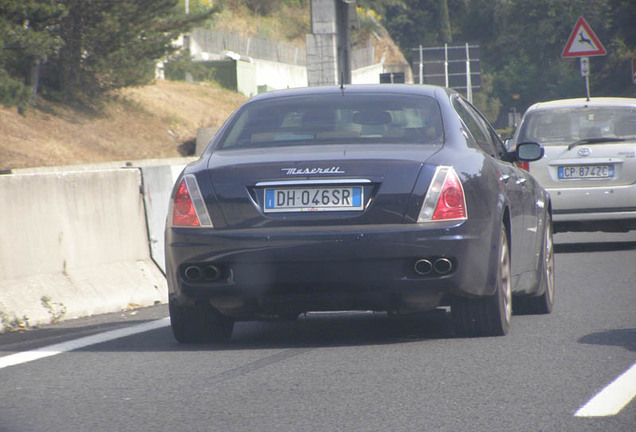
(157, 186)
(75, 243)
(367, 75)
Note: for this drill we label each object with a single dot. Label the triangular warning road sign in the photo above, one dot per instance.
(583, 42)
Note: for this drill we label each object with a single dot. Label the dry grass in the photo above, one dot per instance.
(286, 23)
(141, 123)
(152, 121)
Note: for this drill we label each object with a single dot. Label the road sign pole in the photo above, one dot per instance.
(469, 84)
(585, 71)
(446, 65)
(421, 66)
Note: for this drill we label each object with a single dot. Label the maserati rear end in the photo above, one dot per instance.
(357, 198)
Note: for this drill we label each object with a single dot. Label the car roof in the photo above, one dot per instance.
(406, 89)
(583, 102)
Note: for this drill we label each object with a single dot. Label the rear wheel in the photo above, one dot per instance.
(541, 304)
(199, 324)
(488, 316)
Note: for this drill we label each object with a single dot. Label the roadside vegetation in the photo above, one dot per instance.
(65, 63)
(76, 51)
(521, 43)
(13, 323)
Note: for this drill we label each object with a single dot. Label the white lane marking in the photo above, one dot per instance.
(51, 350)
(613, 398)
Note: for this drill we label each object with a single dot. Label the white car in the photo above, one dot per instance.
(589, 167)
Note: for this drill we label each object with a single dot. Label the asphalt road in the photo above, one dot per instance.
(345, 372)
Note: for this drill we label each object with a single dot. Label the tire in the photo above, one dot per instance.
(199, 324)
(488, 316)
(543, 303)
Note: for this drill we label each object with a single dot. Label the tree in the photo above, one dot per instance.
(612, 75)
(445, 27)
(526, 54)
(521, 43)
(416, 22)
(27, 37)
(114, 44)
(85, 48)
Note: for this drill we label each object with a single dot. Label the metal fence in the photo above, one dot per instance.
(265, 49)
(249, 46)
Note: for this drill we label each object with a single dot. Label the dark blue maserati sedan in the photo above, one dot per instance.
(398, 198)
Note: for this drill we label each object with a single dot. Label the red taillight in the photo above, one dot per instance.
(183, 212)
(451, 203)
(524, 165)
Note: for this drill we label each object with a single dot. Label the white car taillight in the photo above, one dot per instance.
(445, 199)
(188, 207)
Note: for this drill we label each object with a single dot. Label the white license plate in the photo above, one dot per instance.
(313, 199)
(586, 171)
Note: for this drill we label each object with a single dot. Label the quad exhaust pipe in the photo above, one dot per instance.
(212, 272)
(443, 265)
(193, 273)
(426, 266)
(200, 272)
(423, 266)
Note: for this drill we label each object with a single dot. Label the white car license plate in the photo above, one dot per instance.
(313, 199)
(586, 171)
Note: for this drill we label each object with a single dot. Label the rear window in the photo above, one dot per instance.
(335, 119)
(567, 125)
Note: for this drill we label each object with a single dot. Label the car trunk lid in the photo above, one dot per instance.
(303, 186)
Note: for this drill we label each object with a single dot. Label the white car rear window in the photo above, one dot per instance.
(567, 125)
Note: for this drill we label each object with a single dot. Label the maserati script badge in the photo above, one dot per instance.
(310, 171)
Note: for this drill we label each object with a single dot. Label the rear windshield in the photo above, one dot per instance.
(567, 125)
(335, 119)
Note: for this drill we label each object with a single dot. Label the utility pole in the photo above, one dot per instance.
(329, 44)
(445, 30)
(345, 16)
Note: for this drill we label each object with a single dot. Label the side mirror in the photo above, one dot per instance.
(525, 152)
(529, 152)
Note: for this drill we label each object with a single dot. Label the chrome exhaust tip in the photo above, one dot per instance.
(193, 273)
(212, 272)
(423, 266)
(443, 265)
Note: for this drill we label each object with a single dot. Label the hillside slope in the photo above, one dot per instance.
(155, 121)
(158, 120)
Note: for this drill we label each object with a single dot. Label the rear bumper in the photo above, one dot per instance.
(294, 270)
(593, 203)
